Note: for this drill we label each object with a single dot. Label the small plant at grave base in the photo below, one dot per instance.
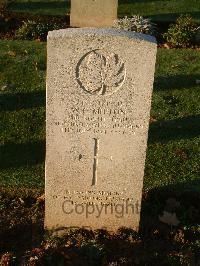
(31, 30)
(182, 33)
(136, 23)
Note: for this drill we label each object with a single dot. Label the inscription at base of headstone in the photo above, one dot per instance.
(99, 87)
(93, 13)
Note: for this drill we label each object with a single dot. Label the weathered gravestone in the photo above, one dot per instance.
(99, 86)
(93, 13)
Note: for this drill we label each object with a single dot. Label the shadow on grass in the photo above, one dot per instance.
(181, 128)
(18, 101)
(171, 17)
(123, 2)
(155, 202)
(15, 155)
(163, 83)
(165, 17)
(40, 5)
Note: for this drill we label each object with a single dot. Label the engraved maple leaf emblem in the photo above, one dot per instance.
(100, 72)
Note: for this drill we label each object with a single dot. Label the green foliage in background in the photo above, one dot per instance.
(31, 30)
(136, 23)
(182, 33)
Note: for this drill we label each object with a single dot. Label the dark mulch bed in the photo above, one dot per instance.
(23, 240)
(11, 21)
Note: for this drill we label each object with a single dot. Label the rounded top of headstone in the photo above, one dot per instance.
(71, 32)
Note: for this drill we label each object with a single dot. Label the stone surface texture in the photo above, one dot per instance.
(93, 13)
(99, 87)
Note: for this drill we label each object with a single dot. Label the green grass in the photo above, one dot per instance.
(43, 7)
(158, 10)
(174, 144)
(162, 10)
(22, 102)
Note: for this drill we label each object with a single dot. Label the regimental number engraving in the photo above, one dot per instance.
(95, 159)
(100, 72)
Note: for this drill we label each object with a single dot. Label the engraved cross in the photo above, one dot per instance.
(95, 159)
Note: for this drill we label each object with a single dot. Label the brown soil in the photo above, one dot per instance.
(23, 240)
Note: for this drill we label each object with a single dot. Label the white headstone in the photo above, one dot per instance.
(93, 13)
(99, 86)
